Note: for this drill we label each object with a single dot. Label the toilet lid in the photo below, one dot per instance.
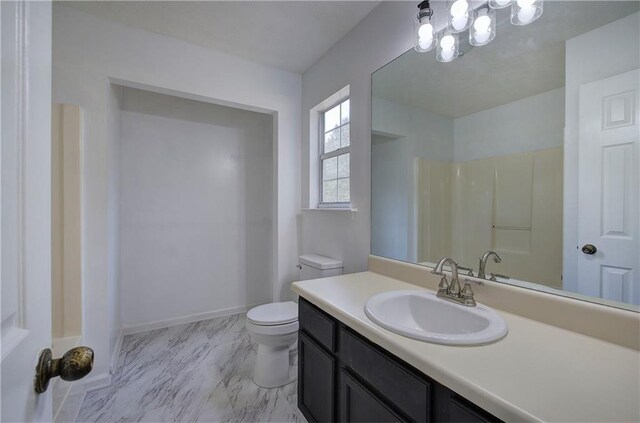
(274, 313)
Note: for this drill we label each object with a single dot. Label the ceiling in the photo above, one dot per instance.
(290, 35)
(519, 63)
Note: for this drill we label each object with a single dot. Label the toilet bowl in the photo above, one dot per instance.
(274, 327)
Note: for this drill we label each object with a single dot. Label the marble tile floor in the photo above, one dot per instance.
(197, 372)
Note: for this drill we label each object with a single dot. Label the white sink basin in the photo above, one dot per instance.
(421, 315)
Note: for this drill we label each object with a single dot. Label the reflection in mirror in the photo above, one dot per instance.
(527, 146)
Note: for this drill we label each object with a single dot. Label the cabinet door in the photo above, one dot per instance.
(358, 404)
(451, 407)
(409, 392)
(316, 377)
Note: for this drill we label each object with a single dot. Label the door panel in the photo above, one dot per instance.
(609, 188)
(25, 124)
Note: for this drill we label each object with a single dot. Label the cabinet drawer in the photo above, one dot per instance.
(317, 324)
(410, 393)
(316, 381)
(358, 404)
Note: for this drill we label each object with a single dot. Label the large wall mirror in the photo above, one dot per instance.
(528, 147)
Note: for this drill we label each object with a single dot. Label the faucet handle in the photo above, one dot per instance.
(469, 270)
(443, 285)
(467, 294)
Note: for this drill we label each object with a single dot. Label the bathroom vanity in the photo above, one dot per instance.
(344, 377)
(545, 369)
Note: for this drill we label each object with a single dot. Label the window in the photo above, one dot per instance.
(335, 156)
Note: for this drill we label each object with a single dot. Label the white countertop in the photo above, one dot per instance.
(537, 372)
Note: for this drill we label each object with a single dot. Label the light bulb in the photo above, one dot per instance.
(499, 4)
(459, 22)
(459, 17)
(526, 14)
(482, 23)
(447, 47)
(425, 43)
(447, 42)
(483, 30)
(425, 31)
(482, 37)
(447, 55)
(525, 3)
(459, 8)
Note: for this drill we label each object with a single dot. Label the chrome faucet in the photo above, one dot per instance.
(452, 291)
(483, 262)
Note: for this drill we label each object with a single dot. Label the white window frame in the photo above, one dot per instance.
(338, 152)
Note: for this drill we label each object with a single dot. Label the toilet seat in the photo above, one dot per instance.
(273, 330)
(274, 314)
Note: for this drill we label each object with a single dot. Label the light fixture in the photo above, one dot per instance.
(524, 12)
(481, 24)
(424, 31)
(448, 49)
(499, 4)
(483, 30)
(460, 16)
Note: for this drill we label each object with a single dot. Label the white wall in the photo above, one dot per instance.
(379, 38)
(88, 54)
(530, 124)
(196, 207)
(606, 51)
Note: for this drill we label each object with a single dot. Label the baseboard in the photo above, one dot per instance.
(159, 324)
(96, 382)
(70, 405)
(115, 354)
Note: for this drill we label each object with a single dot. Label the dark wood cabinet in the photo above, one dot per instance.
(358, 404)
(316, 381)
(451, 407)
(344, 377)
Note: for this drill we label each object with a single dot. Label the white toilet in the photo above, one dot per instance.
(274, 326)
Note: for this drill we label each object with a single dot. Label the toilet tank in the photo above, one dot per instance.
(314, 266)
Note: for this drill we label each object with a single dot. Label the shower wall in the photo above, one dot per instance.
(196, 208)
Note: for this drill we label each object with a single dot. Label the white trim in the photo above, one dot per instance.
(96, 382)
(76, 388)
(315, 138)
(115, 354)
(340, 209)
(159, 324)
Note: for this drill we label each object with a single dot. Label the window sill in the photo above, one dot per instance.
(332, 209)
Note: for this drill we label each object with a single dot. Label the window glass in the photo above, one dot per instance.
(332, 119)
(332, 140)
(335, 156)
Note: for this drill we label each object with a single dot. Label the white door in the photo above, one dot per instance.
(25, 236)
(609, 189)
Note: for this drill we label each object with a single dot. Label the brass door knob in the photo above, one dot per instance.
(74, 364)
(589, 249)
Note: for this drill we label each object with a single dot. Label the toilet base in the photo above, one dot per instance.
(271, 368)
